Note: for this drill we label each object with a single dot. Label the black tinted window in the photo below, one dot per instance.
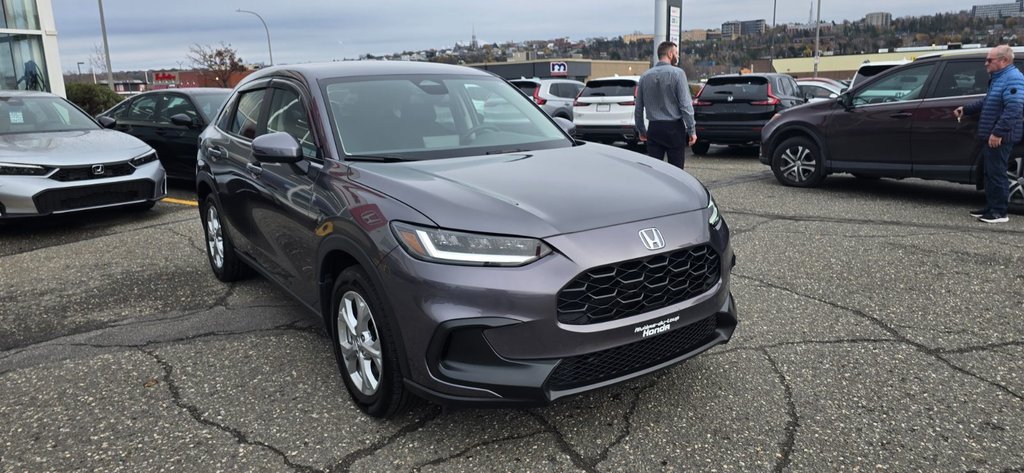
(143, 109)
(739, 88)
(175, 104)
(246, 116)
(527, 87)
(962, 78)
(565, 91)
(287, 114)
(609, 88)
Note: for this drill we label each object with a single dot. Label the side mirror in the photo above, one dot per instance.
(567, 126)
(277, 147)
(846, 101)
(185, 120)
(106, 122)
(833, 96)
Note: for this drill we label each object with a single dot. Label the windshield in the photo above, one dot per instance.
(209, 104)
(430, 117)
(40, 115)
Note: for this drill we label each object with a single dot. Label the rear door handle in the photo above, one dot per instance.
(901, 115)
(255, 169)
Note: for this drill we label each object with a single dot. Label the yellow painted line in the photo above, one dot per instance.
(171, 200)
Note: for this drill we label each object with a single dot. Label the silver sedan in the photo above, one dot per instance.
(56, 159)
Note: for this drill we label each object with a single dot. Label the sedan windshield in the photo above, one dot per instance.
(430, 117)
(41, 115)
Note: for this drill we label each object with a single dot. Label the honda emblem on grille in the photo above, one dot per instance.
(652, 239)
(98, 170)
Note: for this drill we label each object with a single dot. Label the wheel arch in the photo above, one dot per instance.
(798, 130)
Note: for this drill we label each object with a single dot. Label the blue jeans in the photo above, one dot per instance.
(997, 186)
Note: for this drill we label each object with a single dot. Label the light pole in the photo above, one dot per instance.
(817, 40)
(771, 49)
(270, 50)
(106, 48)
(80, 67)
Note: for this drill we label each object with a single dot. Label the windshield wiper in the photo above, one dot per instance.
(507, 151)
(380, 158)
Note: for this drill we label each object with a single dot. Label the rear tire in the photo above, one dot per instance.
(219, 249)
(1015, 174)
(364, 343)
(701, 147)
(797, 162)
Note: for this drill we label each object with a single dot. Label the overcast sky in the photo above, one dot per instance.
(145, 34)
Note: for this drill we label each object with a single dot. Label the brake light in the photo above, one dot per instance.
(577, 103)
(536, 97)
(772, 100)
(700, 103)
(631, 103)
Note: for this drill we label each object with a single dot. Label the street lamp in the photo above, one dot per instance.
(80, 67)
(817, 40)
(269, 49)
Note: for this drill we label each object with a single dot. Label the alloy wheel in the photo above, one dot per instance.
(798, 164)
(1016, 176)
(214, 236)
(359, 343)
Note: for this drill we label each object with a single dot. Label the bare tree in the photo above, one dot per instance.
(97, 60)
(216, 62)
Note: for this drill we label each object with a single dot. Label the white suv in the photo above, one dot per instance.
(604, 110)
(555, 96)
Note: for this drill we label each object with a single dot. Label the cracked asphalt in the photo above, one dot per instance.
(880, 330)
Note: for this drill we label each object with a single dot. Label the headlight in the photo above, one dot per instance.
(446, 246)
(715, 217)
(144, 159)
(12, 169)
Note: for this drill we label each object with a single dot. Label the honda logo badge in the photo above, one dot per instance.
(652, 239)
(97, 169)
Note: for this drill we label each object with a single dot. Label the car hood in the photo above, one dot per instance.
(70, 148)
(538, 193)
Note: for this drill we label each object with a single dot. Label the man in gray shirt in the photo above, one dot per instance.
(665, 95)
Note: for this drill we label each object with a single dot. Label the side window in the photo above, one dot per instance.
(287, 114)
(143, 109)
(245, 120)
(900, 85)
(228, 113)
(175, 104)
(814, 91)
(562, 90)
(962, 78)
(119, 112)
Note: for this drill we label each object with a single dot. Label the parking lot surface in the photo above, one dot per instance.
(880, 329)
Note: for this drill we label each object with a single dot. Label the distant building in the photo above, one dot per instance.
(752, 27)
(998, 10)
(731, 30)
(714, 35)
(880, 20)
(633, 38)
(694, 35)
(792, 27)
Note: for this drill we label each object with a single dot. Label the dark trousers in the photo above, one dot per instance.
(667, 138)
(997, 185)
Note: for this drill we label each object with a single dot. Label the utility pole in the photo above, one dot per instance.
(660, 26)
(771, 49)
(106, 48)
(817, 40)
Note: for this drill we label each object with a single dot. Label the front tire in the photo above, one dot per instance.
(219, 249)
(364, 346)
(797, 162)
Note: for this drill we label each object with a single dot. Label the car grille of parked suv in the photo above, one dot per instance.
(84, 173)
(56, 200)
(612, 363)
(634, 287)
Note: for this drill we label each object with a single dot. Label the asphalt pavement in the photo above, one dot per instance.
(880, 329)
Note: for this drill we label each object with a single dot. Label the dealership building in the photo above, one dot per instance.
(29, 59)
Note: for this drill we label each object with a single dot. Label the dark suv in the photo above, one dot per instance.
(731, 109)
(452, 255)
(897, 124)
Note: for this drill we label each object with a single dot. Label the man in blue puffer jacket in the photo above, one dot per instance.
(1000, 127)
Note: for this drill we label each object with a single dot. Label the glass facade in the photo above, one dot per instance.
(23, 64)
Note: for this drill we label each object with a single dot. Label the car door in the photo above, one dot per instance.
(871, 132)
(140, 121)
(179, 142)
(942, 146)
(228, 151)
(284, 223)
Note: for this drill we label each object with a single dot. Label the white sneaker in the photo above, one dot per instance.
(989, 218)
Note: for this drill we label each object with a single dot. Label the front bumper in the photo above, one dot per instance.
(33, 196)
(490, 336)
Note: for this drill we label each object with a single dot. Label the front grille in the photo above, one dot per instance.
(634, 287)
(56, 200)
(84, 173)
(619, 361)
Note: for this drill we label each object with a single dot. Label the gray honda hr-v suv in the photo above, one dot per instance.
(456, 258)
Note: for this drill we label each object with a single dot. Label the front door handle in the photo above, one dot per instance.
(901, 115)
(255, 169)
(214, 152)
